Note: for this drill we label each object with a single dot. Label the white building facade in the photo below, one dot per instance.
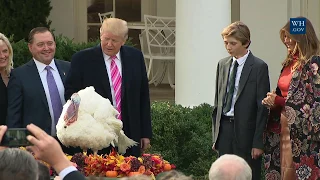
(199, 45)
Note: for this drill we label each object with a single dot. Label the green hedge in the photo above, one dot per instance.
(183, 136)
(65, 49)
(18, 17)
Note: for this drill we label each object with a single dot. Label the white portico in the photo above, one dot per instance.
(199, 23)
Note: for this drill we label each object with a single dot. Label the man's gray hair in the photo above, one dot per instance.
(18, 164)
(230, 167)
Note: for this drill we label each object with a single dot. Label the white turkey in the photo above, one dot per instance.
(89, 121)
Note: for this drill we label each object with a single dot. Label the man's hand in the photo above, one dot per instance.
(213, 147)
(144, 144)
(256, 153)
(46, 148)
(57, 178)
(3, 130)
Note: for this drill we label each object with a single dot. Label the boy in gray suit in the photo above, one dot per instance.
(242, 81)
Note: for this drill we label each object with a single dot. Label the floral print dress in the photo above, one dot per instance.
(302, 108)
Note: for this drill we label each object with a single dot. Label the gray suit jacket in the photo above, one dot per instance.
(27, 102)
(249, 113)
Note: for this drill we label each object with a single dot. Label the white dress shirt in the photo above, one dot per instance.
(241, 61)
(67, 171)
(43, 76)
(107, 60)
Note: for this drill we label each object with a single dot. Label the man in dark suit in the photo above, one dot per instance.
(36, 89)
(117, 72)
(239, 118)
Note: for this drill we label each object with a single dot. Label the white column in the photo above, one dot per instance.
(199, 47)
(62, 17)
(69, 18)
(80, 21)
(311, 11)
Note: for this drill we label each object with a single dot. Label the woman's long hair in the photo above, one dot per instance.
(5, 40)
(307, 45)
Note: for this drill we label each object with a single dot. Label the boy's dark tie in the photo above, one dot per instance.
(231, 86)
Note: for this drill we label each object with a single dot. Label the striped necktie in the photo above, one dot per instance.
(117, 83)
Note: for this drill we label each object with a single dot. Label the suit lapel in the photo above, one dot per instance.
(226, 68)
(61, 70)
(102, 71)
(124, 70)
(245, 74)
(37, 83)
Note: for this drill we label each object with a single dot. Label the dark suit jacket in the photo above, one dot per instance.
(3, 102)
(88, 69)
(74, 175)
(249, 113)
(27, 102)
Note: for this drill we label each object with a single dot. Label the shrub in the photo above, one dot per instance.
(18, 17)
(65, 49)
(183, 136)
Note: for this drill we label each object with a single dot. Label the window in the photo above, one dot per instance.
(129, 10)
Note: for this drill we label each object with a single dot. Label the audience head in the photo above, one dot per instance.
(47, 148)
(174, 175)
(137, 177)
(230, 167)
(6, 55)
(306, 45)
(113, 35)
(44, 172)
(18, 164)
(42, 45)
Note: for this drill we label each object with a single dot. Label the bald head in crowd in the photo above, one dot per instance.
(230, 167)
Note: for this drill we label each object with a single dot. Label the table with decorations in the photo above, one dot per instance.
(89, 121)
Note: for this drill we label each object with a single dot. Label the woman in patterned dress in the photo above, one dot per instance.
(292, 138)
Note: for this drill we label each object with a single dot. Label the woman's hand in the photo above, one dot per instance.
(269, 100)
